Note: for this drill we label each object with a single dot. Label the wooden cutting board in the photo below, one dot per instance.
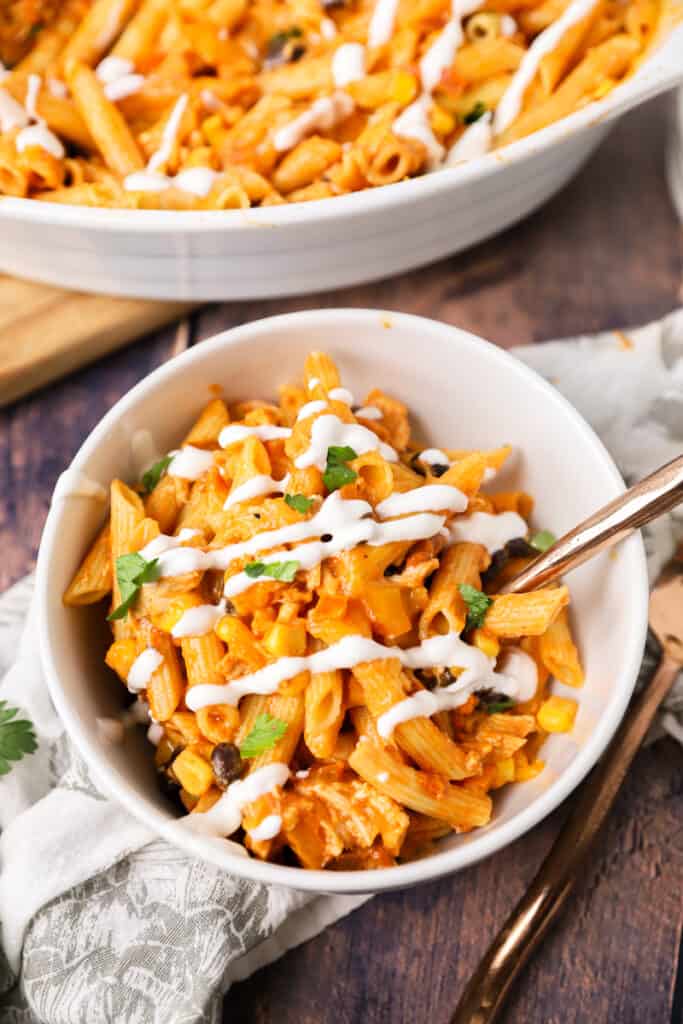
(46, 332)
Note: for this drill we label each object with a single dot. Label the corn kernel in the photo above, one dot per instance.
(505, 771)
(403, 88)
(486, 642)
(604, 88)
(175, 610)
(286, 639)
(557, 714)
(441, 121)
(193, 773)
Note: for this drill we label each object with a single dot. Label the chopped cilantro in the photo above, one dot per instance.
(131, 572)
(283, 571)
(477, 603)
(17, 737)
(337, 474)
(543, 540)
(265, 734)
(154, 474)
(299, 502)
(477, 111)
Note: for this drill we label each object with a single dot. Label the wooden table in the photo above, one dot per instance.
(606, 253)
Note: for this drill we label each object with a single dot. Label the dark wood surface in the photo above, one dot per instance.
(607, 252)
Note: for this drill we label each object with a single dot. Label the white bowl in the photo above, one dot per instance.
(330, 243)
(462, 391)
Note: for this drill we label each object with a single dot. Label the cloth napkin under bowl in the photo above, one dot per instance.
(102, 921)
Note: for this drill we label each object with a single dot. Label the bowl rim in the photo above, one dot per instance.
(657, 73)
(439, 863)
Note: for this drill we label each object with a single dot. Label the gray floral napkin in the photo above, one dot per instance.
(103, 922)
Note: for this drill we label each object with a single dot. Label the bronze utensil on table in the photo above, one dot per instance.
(488, 988)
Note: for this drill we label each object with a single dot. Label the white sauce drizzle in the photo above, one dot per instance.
(310, 408)
(330, 431)
(436, 651)
(348, 64)
(198, 181)
(368, 412)
(73, 483)
(381, 26)
(322, 115)
(190, 463)
(313, 383)
(173, 558)
(112, 68)
(474, 141)
(347, 537)
(434, 457)
(239, 432)
(12, 114)
(508, 25)
(165, 542)
(382, 777)
(57, 88)
(413, 123)
(4, 73)
(37, 134)
(341, 395)
(518, 680)
(143, 668)
(168, 136)
(225, 817)
(125, 86)
(266, 829)
(431, 498)
(255, 487)
(198, 621)
(510, 105)
(493, 531)
(155, 734)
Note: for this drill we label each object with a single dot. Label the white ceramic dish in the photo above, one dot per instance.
(675, 152)
(309, 247)
(463, 392)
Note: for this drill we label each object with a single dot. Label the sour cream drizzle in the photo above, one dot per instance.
(432, 497)
(368, 412)
(37, 134)
(190, 463)
(348, 64)
(518, 680)
(322, 115)
(493, 531)
(225, 817)
(118, 77)
(310, 409)
(240, 431)
(381, 26)
(143, 668)
(196, 180)
(198, 621)
(255, 488)
(434, 457)
(266, 829)
(330, 431)
(436, 651)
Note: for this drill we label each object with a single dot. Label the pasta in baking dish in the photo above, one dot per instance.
(221, 104)
(304, 605)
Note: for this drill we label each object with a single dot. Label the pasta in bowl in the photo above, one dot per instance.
(238, 103)
(333, 683)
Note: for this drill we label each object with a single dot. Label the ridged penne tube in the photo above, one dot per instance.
(206, 428)
(513, 615)
(51, 41)
(324, 712)
(202, 656)
(320, 372)
(385, 684)
(426, 793)
(127, 512)
(104, 121)
(166, 687)
(446, 610)
(305, 163)
(93, 579)
(558, 651)
(98, 30)
(142, 31)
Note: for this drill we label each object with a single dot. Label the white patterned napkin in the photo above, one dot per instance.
(101, 921)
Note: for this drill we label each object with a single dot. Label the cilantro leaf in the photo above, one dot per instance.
(477, 111)
(477, 605)
(283, 571)
(299, 502)
(497, 706)
(543, 540)
(265, 734)
(154, 474)
(337, 474)
(131, 572)
(493, 702)
(17, 737)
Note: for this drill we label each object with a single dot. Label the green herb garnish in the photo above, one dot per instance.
(17, 737)
(337, 474)
(543, 540)
(477, 111)
(131, 572)
(496, 707)
(477, 603)
(283, 571)
(277, 41)
(299, 502)
(154, 474)
(265, 734)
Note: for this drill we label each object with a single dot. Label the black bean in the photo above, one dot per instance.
(227, 764)
(392, 570)
(518, 547)
(439, 469)
(326, 538)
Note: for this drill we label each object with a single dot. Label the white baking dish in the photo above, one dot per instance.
(330, 243)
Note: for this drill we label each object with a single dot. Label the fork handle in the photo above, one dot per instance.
(488, 988)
